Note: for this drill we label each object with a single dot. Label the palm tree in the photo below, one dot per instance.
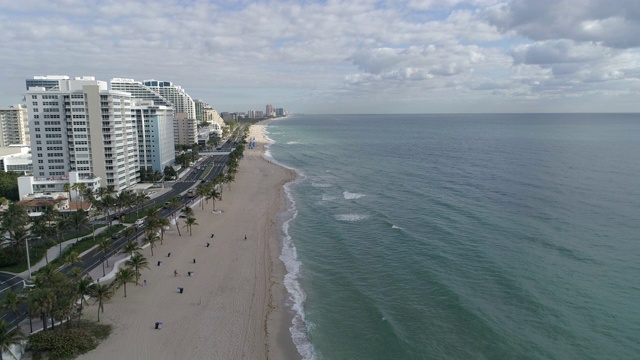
(39, 304)
(188, 211)
(131, 247)
(201, 190)
(8, 338)
(67, 188)
(229, 178)
(105, 246)
(189, 222)
(178, 227)
(102, 293)
(163, 223)
(151, 238)
(79, 219)
(60, 226)
(82, 289)
(41, 229)
(219, 180)
(124, 276)
(14, 218)
(11, 301)
(72, 258)
(129, 231)
(214, 195)
(137, 262)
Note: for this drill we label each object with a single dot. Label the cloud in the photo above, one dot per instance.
(614, 24)
(403, 53)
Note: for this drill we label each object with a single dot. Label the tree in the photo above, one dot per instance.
(13, 220)
(214, 195)
(9, 185)
(82, 289)
(170, 173)
(151, 238)
(132, 247)
(189, 222)
(39, 304)
(105, 246)
(137, 262)
(11, 302)
(78, 219)
(123, 277)
(72, 258)
(67, 188)
(102, 293)
(8, 338)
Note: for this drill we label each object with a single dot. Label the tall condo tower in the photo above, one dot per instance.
(14, 128)
(79, 126)
(155, 134)
(177, 96)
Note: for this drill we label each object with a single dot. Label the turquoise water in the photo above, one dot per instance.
(463, 236)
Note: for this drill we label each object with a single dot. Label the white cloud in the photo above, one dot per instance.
(401, 53)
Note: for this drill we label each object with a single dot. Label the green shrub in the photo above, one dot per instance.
(63, 343)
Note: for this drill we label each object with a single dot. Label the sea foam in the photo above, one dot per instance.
(351, 217)
(289, 257)
(351, 196)
(320, 185)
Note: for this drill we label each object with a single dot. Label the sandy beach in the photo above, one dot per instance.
(233, 305)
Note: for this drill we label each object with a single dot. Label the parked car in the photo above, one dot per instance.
(139, 222)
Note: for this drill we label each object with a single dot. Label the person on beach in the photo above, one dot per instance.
(212, 236)
(194, 260)
(169, 254)
(245, 237)
(175, 272)
(208, 244)
(144, 282)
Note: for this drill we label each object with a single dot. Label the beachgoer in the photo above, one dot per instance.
(245, 237)
(144, 282)
(212, 235)
(175, 272)
(169, 255)
(194, 260)
(208, 244)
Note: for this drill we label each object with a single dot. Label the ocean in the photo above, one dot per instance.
(510, 236)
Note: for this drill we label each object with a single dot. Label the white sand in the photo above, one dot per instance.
(233, 307)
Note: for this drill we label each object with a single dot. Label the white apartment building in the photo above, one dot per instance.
(138, 91)
(16, 158)
(81, 127)
(176, 95)
(14, 128)
(155, 134)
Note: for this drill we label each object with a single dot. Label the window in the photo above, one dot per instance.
(36, 116)
(35, 103)
(34, 96)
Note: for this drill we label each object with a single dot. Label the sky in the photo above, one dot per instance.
(356, 56)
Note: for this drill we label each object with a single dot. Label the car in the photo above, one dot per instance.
(139, 222)
(167, 205)
(183, 215)
(203, 180)
(115, 236)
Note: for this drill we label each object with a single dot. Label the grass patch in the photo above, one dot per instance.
(37, 251)
(68, 343)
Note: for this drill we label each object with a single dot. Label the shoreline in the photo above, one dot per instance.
(235, 304)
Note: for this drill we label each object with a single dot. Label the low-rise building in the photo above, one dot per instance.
(16, 158)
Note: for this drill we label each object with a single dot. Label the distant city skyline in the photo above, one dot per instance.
(362, 56)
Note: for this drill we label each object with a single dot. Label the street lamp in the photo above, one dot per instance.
(26, 244)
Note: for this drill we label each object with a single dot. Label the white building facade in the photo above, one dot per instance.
(81, 127)
(176, 95)
(156, 146)
(14, 128)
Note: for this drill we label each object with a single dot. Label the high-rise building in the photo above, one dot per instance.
(139, 91)
(200, 107)
(14, 127)
(80, 127)
(181, 101)
(269, 111)
(185, 129)
(279, 112)
(155, 134)
(211, 116)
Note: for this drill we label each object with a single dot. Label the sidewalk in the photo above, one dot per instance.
(54, 251)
